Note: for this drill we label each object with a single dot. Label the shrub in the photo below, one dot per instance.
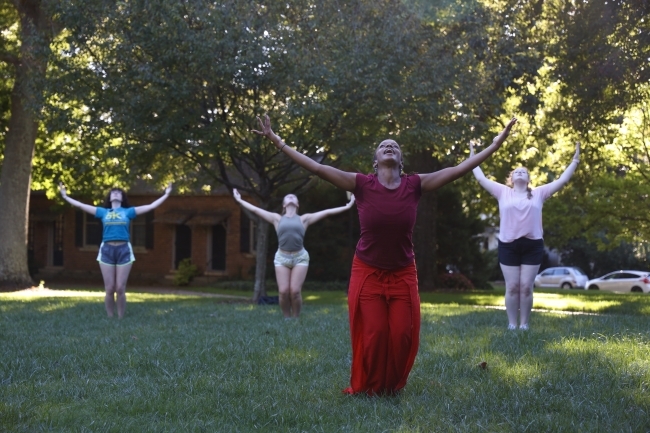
(456, 281)
(185, 272)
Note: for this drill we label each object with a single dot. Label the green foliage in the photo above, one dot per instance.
(185, 272)
(590, 85)
(600, 53)
(188, 364)
(143, 91)
(459, 228)
(597, 261)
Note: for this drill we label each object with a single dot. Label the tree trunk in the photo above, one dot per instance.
(15, 176)
(425, 232)
(261, 247)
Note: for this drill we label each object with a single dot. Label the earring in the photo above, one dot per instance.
(375, 167)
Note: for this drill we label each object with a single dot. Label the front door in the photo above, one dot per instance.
(183, 248)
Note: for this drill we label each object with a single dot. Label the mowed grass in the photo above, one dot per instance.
(192, 364)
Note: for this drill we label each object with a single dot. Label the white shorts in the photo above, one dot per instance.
(289, 260)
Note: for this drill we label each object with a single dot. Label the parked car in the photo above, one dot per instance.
(566, 277)
(622, 281)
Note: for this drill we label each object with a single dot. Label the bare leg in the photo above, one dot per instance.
(512, 277)
(526, 281)
(298, 275)
(283, 277)
(121, 276)
(108, 272)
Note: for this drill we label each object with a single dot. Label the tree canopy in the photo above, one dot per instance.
(164, 90)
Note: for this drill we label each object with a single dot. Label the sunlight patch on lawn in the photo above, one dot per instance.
(47, 293)
(57, 305)
(553, 301)
(521, 372)
(432, 312)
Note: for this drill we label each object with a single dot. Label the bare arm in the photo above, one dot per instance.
(270, 217)
(486, 183)
(139, 210)
(84, 207)
(432, 181)
(558, 184)
(310, 218)
(339, 178)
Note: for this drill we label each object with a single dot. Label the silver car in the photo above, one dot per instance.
(566, 277)
(622, 281)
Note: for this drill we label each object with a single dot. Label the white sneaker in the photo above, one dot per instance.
(523, 327)
(512, 327)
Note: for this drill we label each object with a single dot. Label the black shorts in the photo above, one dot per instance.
(522, 251)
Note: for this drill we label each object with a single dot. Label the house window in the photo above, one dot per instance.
(142, 231)
(247, 234)
(88, 230)
(218, 248)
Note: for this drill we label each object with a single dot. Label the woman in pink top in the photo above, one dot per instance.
(521, 243)
(383, 301)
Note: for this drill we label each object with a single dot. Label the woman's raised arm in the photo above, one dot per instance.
(271, 217)
(435, 180)
(311, 218)
(139, 210)
(84, 207)
(339, 178)
(486, 183)
(558, 184)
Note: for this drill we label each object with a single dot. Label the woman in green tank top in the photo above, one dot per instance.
(291, 260)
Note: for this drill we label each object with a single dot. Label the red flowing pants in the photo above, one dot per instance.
(384, 308)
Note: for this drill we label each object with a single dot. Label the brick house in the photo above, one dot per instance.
(210, 229)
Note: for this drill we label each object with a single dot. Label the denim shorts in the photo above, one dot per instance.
(289, 260)
(116, 255)
(522, 251)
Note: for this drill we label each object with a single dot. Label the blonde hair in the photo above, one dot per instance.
(510, 184)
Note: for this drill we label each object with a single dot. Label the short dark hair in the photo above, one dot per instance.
(107, 200)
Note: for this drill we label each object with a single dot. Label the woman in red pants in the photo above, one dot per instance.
(383, 299)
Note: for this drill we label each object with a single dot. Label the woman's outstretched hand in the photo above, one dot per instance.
(471, 149)
(168, 190)
(62, 190)
(236, 194)
(351, 202)
(576, 156)
(265, 127)
(506, 131)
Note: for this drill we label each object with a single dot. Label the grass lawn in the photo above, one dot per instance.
(178, 363)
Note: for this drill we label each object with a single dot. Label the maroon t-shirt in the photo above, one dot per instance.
(387, 217)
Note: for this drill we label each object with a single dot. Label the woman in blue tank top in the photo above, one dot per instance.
(115, 253)
(291, 260)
